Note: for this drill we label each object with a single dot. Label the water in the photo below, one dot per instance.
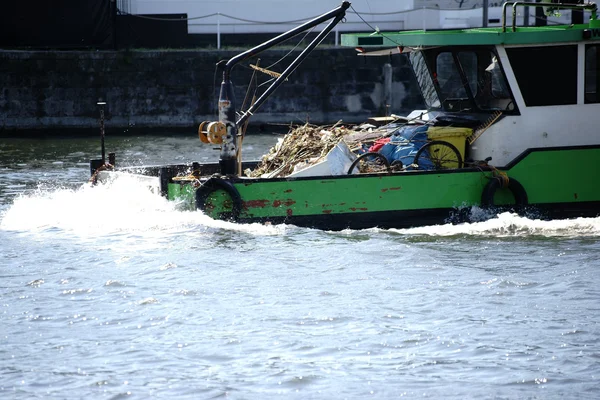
(111, 292)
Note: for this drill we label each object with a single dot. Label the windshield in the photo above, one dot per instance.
(423, 76)
(455, 79)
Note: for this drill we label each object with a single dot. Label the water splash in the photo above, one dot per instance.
(121, 206)
(511, 224)
(126, 206)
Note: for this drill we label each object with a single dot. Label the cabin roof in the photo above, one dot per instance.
(475, 36)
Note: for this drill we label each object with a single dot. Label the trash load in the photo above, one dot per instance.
(302, 147)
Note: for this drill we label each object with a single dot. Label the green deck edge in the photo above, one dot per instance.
(473, 36)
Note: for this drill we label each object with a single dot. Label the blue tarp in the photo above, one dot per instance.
(405, 144)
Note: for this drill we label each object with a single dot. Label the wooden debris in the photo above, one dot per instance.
(303, 144)
(309, 144)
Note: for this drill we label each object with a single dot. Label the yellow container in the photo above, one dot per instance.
(455, 136)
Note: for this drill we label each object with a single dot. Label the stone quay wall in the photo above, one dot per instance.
(165, 89)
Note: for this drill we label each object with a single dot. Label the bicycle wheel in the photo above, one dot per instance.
(370, 163)
(442, 155)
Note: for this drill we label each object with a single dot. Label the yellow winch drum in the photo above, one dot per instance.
(214, 132)
(202, 133)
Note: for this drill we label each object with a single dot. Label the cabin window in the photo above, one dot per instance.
(468, 62)
(498, 83)
(473, 74)
(462, 79)
(546, 75)
(592, 81)
(424, 79)
(448, 77)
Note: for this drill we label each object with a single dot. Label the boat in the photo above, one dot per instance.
(511, 123)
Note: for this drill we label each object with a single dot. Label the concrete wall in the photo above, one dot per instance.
(176, 89)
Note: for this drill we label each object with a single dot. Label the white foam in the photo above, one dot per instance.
(123, 205)
(511, 224)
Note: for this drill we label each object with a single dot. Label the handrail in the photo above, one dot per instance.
(589, 7)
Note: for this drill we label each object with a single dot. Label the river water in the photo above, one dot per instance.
(112, 292)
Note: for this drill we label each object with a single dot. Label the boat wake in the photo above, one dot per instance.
(509, 224)
(121, 206)
(124, 206)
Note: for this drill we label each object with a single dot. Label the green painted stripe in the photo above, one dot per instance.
(476, 36)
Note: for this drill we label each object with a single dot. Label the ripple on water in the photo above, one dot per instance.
(147, 301)
(114, 283)
(111, 290)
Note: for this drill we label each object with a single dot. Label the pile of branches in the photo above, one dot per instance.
(301, 145)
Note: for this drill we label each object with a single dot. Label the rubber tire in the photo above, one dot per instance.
(439, 143)
(518, 191)
(377, 155)
(213, 184)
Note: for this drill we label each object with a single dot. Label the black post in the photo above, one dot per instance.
(485, 13)
(540, 17)
(228, 160)
(101, 104)
(577, 15)
(164, 176)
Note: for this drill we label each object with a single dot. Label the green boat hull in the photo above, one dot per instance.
(558, 183)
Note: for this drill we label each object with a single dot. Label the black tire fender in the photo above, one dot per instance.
(213, 184)
(497, 182)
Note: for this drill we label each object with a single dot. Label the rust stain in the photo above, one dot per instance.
(358, 209)
(392, 188)
(287, 191)
(256, 203)
(287, 203)
(289, 212)
(575, 195)
(327, 211)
